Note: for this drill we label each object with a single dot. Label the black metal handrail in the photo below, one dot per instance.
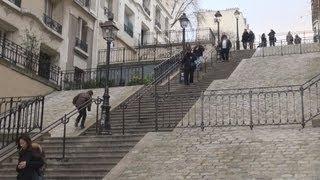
(52, 23)
(22, 117)
(128, 29)
(21, 57)
(81, 44)
(7, 103)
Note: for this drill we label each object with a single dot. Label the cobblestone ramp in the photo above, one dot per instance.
(226, 153)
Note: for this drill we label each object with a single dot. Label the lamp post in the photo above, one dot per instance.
(217, 20)
(184, 21)
(109, 31)
(237, 14)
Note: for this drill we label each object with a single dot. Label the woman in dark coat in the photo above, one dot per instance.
(27, 166)
(189, 65)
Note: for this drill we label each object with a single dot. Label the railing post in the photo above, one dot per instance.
(64, 121)
(124, 55)
(168, 84)
(42, 109)
(202, 111)
(263, 52)
(139, 109)
(18, 121)
(300, 48)
(281, 49)
(302, 107)
(156, 106)
(154, 53)
(123, 118)
(250, 104)
(61, 81)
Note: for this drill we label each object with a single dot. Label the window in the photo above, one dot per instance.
(81, 40)
(48, 8)
(128, 21)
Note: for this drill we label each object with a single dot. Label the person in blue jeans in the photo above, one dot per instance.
(189, 65)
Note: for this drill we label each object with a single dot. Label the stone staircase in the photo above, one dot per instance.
(91, 157)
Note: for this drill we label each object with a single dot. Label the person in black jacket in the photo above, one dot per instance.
(263, 40)
(251, 39)
(189, 65)
(272, 37)
(225, 46)
(245, 39)
(27, 165)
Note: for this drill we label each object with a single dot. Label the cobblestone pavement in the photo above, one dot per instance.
(272, 71)
(60, 102)
(227, 153)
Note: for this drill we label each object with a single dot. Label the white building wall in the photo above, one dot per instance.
(227, 24)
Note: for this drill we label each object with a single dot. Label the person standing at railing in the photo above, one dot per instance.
(289, 38)
(225, 46)
(272, 37)
(245, 39)
(297, 39)
(38, 155)
(263, 40)
(82, 101)
(189, 65)
(251, 39)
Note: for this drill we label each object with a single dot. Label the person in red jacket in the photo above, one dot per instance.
(82, 101)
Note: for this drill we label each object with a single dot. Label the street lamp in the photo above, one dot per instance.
(237, 14)
(109, 32)
(184, 21)
(217, 20)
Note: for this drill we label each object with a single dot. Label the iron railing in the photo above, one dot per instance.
(24, 115)
(95, 78)
(146, 8)
(21, 57)
(83, 3)
(282, 105)
(81, 44)
(52, 23)
(16, 2)
(150, 53)
(281, 48)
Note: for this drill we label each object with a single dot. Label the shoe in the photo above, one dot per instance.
(82, 127)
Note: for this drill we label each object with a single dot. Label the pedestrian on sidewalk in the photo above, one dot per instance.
(27, 164)
(189, 65)
(263, 40)
(225, 46)
(272, 37)
(289, 38)
(82, 101)
(38, 155)
(251, 39)
(297, 39)
(198, 52)
(245, 39)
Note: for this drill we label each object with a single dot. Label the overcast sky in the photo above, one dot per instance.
(262, 15)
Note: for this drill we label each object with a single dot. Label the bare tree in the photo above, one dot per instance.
(184, 6)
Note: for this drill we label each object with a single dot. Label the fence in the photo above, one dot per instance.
(283, 105)
(24, 115)
(96, 78)
(21, 57)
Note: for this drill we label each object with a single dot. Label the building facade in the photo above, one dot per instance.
(228, 22)
(315, 9)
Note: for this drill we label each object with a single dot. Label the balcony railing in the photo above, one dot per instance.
(22, 58)
(16, 2)
(82, 45)
(128, 29)
(84, 3)
(108, 12)
(157, 23)
(146, 9)
(52, 24)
